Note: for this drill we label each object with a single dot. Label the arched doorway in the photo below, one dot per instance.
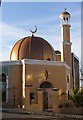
(3, 82)
(47, 88)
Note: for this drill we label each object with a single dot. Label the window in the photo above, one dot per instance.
(48, 59)
(31, 98)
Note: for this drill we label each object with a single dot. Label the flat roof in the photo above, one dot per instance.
(35, 62)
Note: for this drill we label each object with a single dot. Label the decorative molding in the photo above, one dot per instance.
(65, 25)
(66, 43)
(34, 62)
(44, 62)
(40, 89)
(6, 63)
(28, 85)
(46, 74)
(55, 89)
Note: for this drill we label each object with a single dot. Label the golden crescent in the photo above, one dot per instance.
(34, 30)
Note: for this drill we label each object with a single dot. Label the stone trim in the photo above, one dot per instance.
(44, 62)
(35, 62)
(10, 63)
(66, 43)
(55, 89)
(65, 25)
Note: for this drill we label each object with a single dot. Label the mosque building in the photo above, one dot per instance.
(36, 74)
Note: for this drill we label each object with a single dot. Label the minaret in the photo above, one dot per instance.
(65, 34)
(66, 44)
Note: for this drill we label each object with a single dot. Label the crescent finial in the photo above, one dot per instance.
(65, 9)
(34, 31)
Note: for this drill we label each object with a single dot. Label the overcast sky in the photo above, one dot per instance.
(19, 17)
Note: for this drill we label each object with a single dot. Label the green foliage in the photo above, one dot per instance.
(76, 97)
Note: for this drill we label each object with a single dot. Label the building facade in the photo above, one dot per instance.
(36, 74)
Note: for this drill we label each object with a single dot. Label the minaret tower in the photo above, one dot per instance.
(65, 34)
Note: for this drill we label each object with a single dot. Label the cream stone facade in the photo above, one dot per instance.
(29, 80)
(36, 74)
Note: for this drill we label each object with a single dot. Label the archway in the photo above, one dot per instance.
(46, 84)
(3, 82)
(47, 93)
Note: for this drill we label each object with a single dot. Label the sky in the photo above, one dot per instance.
(41, 0)
(82, 34)
(19, 17)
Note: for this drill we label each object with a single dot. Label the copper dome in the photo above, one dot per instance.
(65, 14)
(32, 47)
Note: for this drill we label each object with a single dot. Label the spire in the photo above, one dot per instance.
(65, 9)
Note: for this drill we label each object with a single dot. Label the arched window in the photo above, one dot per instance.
(3, 82)
(48, 59)
(46, 84)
